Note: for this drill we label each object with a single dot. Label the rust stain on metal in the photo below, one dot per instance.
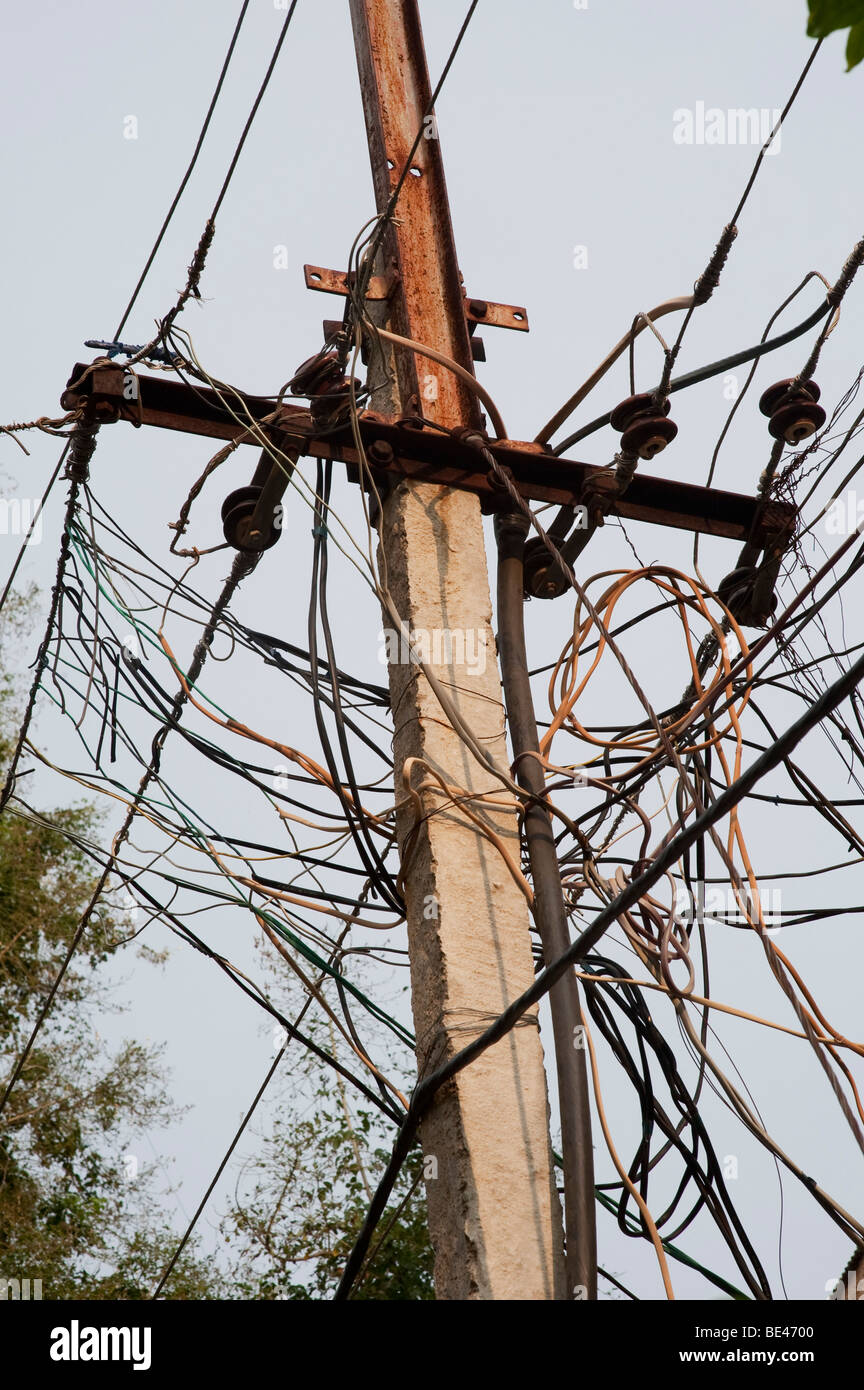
(428, 304)
(487, 311)
(318, 277)
(430, 457)
(497, 315)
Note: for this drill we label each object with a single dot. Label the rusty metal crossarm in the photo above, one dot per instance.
(401, 449)
(485, 311)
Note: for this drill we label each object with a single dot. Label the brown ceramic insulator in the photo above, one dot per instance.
(625, 413)
(332, 402)
(238, 510)
(313, 375)
(648, 435)
(771, 398)
(796, 421)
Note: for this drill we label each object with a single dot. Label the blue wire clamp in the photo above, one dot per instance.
(131, 350)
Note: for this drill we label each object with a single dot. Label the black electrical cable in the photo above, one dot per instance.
(708, 280)
(257, 102)
(705, 373)
(251, 637)
(395, 896)
(366, 848)
(193, 161)
(168, 1270)
(243, 565)
(110, 865)
(82, 445)
(426, 1089)
(36, 516)
(235, 767)
(712, 1190)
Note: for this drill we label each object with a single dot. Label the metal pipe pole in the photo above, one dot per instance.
(511, 530)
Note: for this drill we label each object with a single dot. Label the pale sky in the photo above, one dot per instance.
(570, 195)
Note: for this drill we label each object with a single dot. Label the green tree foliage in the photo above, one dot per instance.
(75, 1210)
(827, 15)
(71, 1212)
(303, 1199)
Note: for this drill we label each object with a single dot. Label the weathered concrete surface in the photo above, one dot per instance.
(493, 1210)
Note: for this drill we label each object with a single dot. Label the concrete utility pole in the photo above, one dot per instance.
(493, 1210)
(494, 1213)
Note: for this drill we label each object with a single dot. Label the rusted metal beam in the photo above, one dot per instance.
(160, 401)
(487, 311)
(318, 277)
(420, 249)
(401, 450)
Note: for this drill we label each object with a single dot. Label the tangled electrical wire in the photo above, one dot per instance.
(635, 792)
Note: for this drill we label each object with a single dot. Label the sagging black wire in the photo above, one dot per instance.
(712, 1193)
(725, 364)
(178, 195)
(366, 848)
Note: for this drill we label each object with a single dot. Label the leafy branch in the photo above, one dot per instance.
(828, 15)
